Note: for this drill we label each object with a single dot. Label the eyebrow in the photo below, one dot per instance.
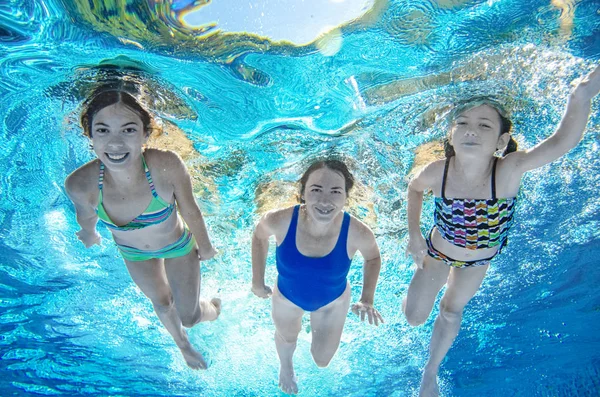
(333, 188)
(481, 118)
(124, 125)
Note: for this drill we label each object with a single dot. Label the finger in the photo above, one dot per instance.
(375, 319)
(362, 315)
(370, 315)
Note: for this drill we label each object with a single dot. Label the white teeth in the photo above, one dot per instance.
(116, 156)
(324, 211)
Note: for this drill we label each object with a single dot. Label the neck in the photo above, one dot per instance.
(125, 177)
(474, 168)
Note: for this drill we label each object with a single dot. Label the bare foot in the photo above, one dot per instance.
(209, 311)
(287, 380)
(429, 385)
(193, 358)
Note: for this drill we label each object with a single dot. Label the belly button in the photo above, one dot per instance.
(147, 246)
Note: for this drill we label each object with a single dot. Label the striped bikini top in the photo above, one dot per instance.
(157, 211)
(474, 223)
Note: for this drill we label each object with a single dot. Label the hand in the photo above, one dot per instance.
(417, 248)
(262, 292)
(88, 239)
(361, 309)
(588, 86)
(209, 255)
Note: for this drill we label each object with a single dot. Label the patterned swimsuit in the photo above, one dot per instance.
(471, 223)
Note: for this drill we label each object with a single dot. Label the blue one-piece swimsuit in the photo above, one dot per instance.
(311, 283)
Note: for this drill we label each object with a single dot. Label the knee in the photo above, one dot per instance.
(163, 303)
(289, 338)
(413, 316)
(321, 357)
(188, 321)
(450, 313)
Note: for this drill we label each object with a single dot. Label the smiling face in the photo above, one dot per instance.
(325, 194)
(477, 131)
(117, 135)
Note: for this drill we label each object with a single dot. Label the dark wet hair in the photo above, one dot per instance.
(107, 98)
(334, 165)
(505, 123)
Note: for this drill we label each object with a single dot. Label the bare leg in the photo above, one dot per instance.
(151, 278)
(462, 286)
(423, 289)
(184, 278)
(288, 321)
(327, 325)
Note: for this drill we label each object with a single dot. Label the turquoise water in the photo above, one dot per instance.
(73, 323)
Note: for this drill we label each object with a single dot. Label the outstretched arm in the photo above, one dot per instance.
(188, 208)
(569, 131)
(260, 249)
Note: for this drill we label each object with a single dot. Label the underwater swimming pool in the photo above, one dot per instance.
(247, 115)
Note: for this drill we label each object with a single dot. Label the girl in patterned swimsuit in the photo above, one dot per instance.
(136, 194)
(475, 193)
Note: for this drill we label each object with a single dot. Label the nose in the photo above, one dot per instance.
(115, 142)
(470, 132)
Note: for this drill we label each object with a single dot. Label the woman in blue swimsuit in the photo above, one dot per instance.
(475, 193)
(142, 196)
(315, 245)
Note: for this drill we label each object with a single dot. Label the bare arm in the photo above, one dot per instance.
(363, 236)
(75, 186)
(417, 247)
(372, 265)
(182, 188)
(569, 131)
(260, 248)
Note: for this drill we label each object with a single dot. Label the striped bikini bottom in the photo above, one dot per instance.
(183, 246)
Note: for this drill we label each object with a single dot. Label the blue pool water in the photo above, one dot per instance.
(251, 114)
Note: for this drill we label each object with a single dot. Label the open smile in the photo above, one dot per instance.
(323, 212)
(116, 157)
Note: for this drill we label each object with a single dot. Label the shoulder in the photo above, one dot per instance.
(166, 165)
(159, 158)
(275, 222)
(278, 217)
(429, 175)
(362, 238)
(359, 230)
(509, 172)
(83, 181)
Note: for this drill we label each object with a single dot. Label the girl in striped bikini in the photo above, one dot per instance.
(137, 193)
(475, 195)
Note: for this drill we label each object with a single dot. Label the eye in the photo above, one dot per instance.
(485, 126)
(101, 130)
(461, 123)
(336, 191)
(130, 130)
(315, 189)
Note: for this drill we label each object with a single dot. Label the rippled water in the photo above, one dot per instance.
(247, 115)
